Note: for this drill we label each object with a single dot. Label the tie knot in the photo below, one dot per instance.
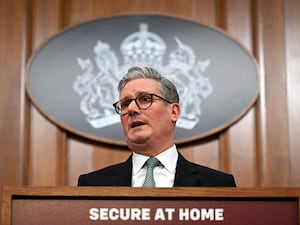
(152, 162)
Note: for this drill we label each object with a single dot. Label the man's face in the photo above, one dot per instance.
(150, 128)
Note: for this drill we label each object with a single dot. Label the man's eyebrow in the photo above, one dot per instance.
(136, 95)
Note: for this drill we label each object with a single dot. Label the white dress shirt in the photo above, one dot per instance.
(164, 174)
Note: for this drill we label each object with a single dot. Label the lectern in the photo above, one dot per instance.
(149, 206)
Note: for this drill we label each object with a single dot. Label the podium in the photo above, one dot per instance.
(145, 206)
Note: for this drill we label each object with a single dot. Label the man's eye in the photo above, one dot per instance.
(145, 99)
(125, 103)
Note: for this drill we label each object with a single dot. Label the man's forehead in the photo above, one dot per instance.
(140, 85)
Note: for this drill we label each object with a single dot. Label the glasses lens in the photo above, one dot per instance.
(144, 101)
(122, 105)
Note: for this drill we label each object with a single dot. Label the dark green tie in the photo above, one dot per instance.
(151, 164)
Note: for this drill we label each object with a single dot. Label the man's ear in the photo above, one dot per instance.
(175, 107)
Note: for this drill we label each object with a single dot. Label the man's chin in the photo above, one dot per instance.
(137, 139)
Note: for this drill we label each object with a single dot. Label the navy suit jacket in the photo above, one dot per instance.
(188, 174)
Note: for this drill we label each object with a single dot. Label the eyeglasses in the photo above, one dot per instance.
(143, 101)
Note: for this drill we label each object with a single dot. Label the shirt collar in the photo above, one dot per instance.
(167, 158)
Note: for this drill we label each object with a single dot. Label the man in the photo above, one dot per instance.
(149, 108)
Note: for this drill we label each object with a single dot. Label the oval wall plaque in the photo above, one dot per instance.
(73, 77)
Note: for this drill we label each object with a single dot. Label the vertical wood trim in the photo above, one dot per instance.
(24, 103)
(221, 22)
(221, 14)
(28, 49)
(260, 109)
(61, 136)
(64, 6)
(62, 159)
(224, 152)
(293, 83)
(26, 130)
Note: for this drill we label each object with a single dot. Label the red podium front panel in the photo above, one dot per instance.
(128, 206)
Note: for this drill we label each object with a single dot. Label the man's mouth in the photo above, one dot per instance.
(136, 124)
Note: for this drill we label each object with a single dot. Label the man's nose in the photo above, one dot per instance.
(132, 107)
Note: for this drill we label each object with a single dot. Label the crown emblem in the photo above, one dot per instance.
(97, 84)
(143, 48)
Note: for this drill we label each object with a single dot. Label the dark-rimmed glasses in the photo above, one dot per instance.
(143, 101)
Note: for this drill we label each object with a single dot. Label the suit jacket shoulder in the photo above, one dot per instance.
(195, 175)
(115, 175)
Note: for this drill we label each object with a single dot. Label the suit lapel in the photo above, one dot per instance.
(122, 175)
(185, 175)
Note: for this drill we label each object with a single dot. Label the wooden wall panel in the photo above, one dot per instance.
(11, 91)
(45, 22)
(276, 167)
(261, 149)
(242, 144)
(80, 160)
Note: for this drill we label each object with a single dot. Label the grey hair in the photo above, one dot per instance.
(165, 86)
